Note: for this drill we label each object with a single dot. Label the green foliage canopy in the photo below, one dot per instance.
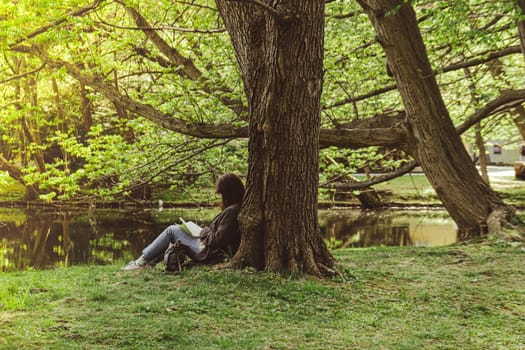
(91, 145)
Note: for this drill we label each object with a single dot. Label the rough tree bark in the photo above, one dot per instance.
(279, 50)
(432, 139)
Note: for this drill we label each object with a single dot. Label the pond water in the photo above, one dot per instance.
(40, 239)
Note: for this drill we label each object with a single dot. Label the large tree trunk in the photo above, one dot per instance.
(433, 141)
(280, 55)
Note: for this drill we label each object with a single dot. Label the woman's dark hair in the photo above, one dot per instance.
(231, 189)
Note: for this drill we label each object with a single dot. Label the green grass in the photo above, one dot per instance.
(456, 297)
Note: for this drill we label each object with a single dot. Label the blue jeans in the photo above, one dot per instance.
(155, 251)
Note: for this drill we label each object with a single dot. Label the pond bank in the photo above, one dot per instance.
(40, 238)
(155, 204)
(412, 190)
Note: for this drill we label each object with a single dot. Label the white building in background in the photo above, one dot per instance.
(499, 152)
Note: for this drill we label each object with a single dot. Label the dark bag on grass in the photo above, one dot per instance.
(174, 257)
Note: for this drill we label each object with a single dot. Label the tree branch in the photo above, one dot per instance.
(173, 55)
(109, 90)
(176, 29)
(507, 99)
(19, 76)
(484, 58)
(375, 180)
(468, 63)
(80, 12)
(392, 135)
(13, 170)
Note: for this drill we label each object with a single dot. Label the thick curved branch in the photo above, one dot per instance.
(507, 99)
(359, 138)
(381, 131)
(109, 90)
(390, 132)
(13, 170)
(349, 138)
(511, 50)
(375, 180)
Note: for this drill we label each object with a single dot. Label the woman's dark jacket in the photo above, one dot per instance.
(222, 236)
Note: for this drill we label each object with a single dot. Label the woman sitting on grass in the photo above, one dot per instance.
(222, 236)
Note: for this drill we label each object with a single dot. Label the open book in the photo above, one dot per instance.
(190, 227)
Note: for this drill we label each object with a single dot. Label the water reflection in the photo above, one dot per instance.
(45, 239)
(355, 228)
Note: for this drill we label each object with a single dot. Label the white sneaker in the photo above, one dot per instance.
(133, 266)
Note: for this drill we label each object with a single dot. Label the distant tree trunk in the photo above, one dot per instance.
(62, 124)
(30, 125)
(280, 55)
(122, 113)
(24, 134)
(480, 143)
(521, 24)
(17, 65)
(519, 121)
(433, 141)
(87, 113)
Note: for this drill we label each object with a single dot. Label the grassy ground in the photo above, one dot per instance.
(416, 189)
(456, 297)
